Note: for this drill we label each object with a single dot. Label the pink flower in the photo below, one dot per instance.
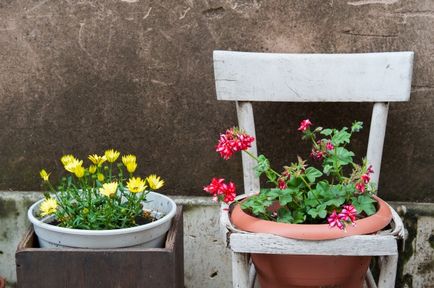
(330, 146)
(224, 147)
(317, 154)
(215, 187)
(281, 184)
(361, 187)
(244, 141)
(365, 178)
(304, 125)
(348, 213)
(233, 141)
(335, 221)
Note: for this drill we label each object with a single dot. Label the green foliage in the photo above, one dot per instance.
(263, 165)
(357, 126)
(312, 192)
(102, 197)
(364, 203)
(312, 173)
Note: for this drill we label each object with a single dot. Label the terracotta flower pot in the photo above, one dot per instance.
(279, 271)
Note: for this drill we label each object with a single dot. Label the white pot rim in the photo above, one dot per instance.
(165, 218)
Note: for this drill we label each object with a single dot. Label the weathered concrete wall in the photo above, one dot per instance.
(82, 76)
(207, 261)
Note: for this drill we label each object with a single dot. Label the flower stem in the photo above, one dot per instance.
(257, 160)
(310, 189)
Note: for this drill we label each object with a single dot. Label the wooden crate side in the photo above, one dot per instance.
(130, 267)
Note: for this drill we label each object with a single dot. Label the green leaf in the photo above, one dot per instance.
(318, 212)
(336, 202)
(312, 173)
(326, 132)
(285, 197)
(299, 216)
(312, 198)
(271, 176)
(364, 203)
(322, 186)
(327, 168)
(271, 193)
(341, 137)
(357, 126)
(284, 216)
(343, 156)
(263, 165)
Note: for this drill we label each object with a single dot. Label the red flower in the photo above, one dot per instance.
(221, 191)
(348, 213)
(370, 170)
(361, 187)
(365, 178)
(317, 154)
(224, 146)
(330, 146)
(304, 125)
(335, 221)
(233, 141)
(229, 192)
(281, 184)
(215, 187)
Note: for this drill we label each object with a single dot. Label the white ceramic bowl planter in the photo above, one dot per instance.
(151, 235)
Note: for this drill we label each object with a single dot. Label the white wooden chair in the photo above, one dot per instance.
(372, 77)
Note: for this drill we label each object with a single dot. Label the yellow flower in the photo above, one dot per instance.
(111, 155)
(97, 160)
(136, 185)
(48, 207)
(130, 162)
(79, 171)
(73, 164)
(66, 159)
(109, 189)
(155, 182)
(100, 177)
(92, 169)
(44, 175)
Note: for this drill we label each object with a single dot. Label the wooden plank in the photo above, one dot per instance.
(247, 123)
(363, 245)
(92, 268)
(369, 77)
(377, 134)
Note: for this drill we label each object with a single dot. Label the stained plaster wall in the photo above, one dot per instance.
(82, 76)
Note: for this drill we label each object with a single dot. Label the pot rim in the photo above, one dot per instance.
(367, 225)
(106, 232)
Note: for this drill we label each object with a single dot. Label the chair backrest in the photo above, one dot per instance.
(366, 77)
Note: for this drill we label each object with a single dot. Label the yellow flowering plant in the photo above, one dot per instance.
(104, 195)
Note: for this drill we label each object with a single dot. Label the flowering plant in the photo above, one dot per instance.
(104, 195)
(333, 189)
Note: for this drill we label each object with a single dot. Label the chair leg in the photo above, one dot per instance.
(369, 280)
(388, 267)
(240, 270)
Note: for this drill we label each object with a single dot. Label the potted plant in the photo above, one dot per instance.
(103, 205)
(327, 197)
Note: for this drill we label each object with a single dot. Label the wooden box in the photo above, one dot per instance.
(92, 268)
